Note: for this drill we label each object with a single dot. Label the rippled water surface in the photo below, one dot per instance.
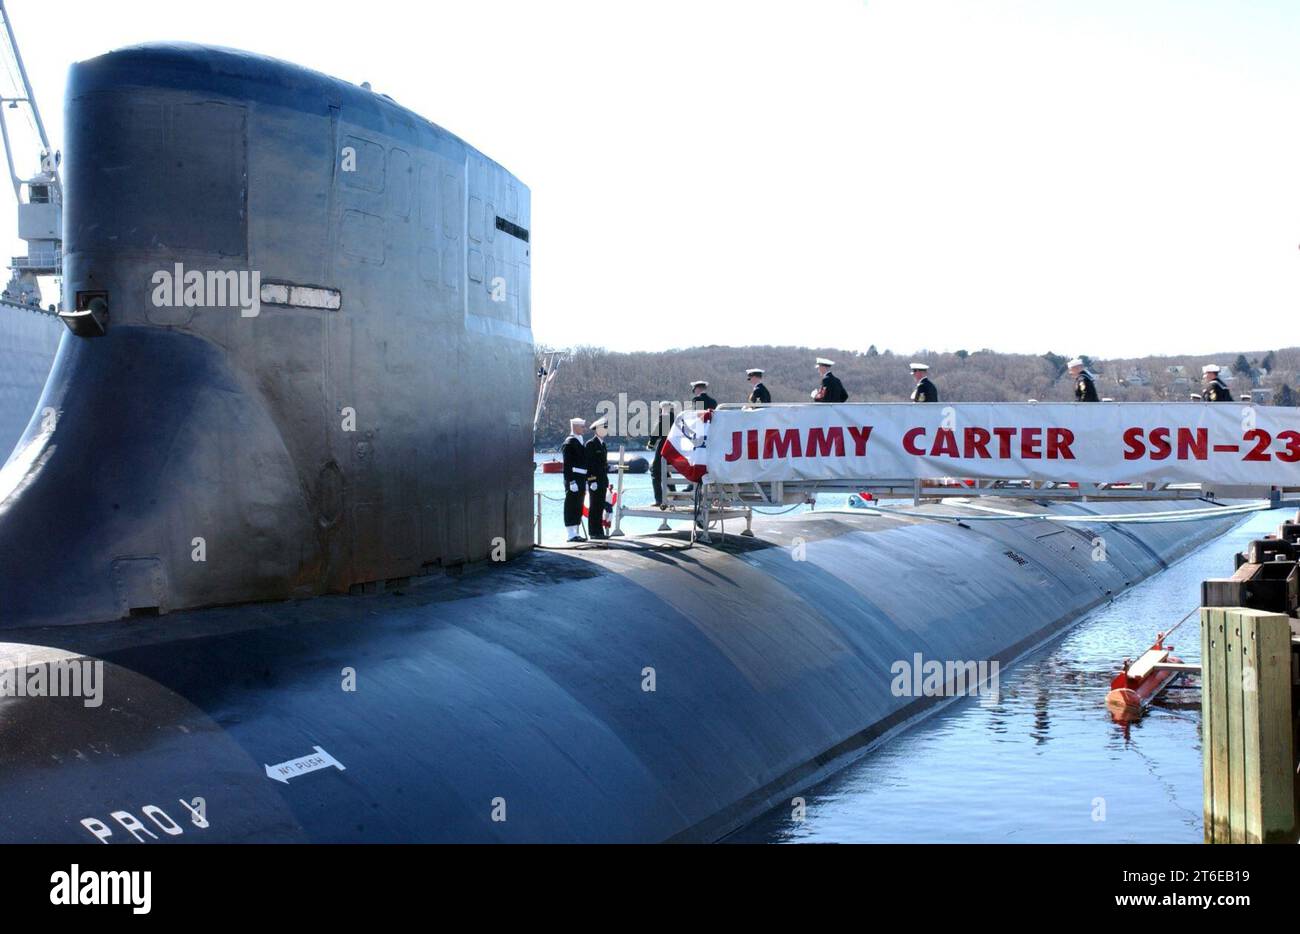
(1042, 761)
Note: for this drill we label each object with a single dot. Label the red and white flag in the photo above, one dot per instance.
(687, 446)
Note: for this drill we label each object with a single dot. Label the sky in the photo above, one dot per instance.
(1102, 178)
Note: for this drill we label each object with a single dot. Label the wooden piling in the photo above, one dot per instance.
(1246, 726)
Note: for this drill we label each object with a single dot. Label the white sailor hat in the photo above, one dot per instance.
(700, 382)
(1210, 368)
(1075, 362)
(600, 423)
(577, 423)
(1197, 396)
(754, 372)
(822, 361)
(918, 366)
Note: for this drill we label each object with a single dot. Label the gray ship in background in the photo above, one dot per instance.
(29, 338)
(29, 330)
(296, 474)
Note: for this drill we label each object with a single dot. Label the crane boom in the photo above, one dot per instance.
(40, 197)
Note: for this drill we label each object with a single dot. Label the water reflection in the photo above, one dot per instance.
(1042, 761)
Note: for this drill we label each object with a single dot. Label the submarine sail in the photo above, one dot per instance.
(302, 350)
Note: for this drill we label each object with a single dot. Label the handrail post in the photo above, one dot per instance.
(701, 517)
(663, 493)
(617, 530)
(539, 518)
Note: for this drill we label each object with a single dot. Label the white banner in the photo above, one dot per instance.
(1103, 442)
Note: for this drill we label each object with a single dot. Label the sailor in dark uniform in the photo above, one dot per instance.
(924, 391)
(1216, 390)
(831, 389)
(702, 401)
(575, 478)
(658, 435)
(597, 478)
(759, 393)
(1085, 390)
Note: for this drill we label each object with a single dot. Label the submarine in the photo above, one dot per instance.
(284, 534)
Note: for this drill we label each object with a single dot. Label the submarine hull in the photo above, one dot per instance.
(295, 392)
(490, 707)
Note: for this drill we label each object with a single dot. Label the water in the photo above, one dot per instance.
(1042, 762)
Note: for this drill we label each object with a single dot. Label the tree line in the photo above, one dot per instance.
(588, 376)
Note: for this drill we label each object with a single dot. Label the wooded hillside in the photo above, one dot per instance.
(588, 375)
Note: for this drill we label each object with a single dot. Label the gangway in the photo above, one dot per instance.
(708, 505)
(705, 505)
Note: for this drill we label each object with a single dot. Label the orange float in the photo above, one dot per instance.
(1141, 682)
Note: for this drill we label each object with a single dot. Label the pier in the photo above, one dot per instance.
(1250, 656)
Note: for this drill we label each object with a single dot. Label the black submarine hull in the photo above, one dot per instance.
(314, 469)
(486, 709)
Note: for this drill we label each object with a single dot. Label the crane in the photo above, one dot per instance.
(40, 197)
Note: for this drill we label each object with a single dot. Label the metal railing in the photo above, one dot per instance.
(50, 260)
(706, 506)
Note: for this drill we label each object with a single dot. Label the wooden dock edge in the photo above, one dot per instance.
(1247, 726)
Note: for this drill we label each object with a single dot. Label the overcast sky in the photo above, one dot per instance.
(1108, 178)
